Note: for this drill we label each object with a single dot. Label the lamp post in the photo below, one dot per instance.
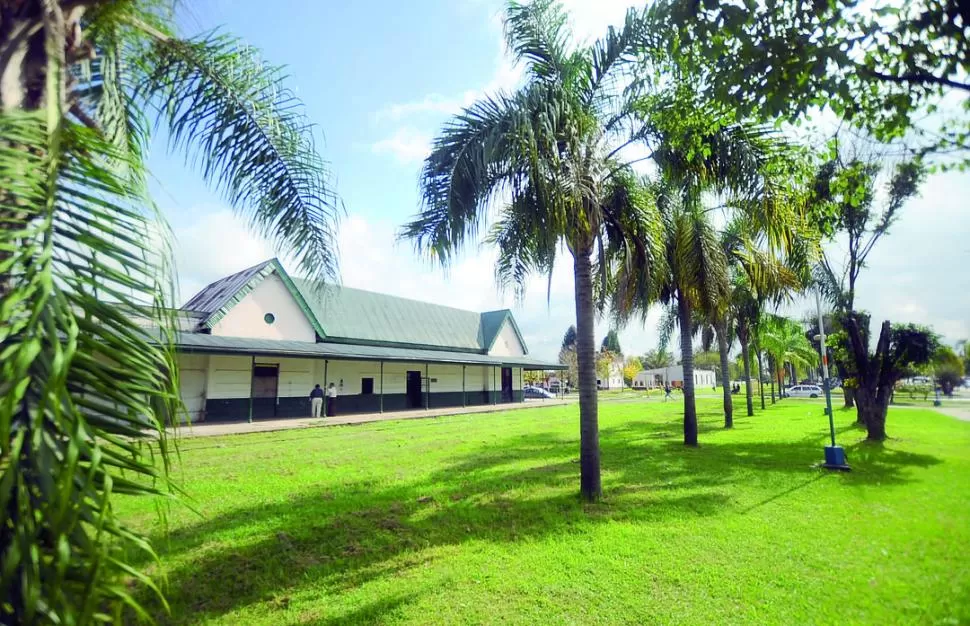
(834, 454)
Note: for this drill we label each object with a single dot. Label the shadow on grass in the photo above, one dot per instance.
(522, 488)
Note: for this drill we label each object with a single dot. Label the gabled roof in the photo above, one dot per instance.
(216, 299)
(215, 295)
(347, 315)
(492, 322)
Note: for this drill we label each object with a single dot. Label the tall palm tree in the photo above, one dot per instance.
(784, 339)
(699, 150)
(85, 392)
(549, 152)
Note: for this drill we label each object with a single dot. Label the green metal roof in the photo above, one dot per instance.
(199, 342)
(347, 315)
(359, 316)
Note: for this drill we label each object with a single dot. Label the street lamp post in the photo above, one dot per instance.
(834, 454)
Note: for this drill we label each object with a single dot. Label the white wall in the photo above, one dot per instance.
(477, 378)
(228, 377)
(246, 318)
(231, 376)
(506, 343)
(193, 370)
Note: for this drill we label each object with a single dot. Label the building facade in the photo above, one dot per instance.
(252, 345)
(673, 375)
(615, 378)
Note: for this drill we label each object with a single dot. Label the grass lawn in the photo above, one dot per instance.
(475, 519)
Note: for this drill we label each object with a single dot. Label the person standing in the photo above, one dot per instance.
(316, 401)
(666, 392)
(331, 400)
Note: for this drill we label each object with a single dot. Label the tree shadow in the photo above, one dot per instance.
(519, 489)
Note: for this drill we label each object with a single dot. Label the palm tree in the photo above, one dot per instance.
(548, 152)
(698, 150)
(85, 392)
(785, 340)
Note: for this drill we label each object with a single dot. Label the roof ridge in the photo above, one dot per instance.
(227, 278)
(390, 295)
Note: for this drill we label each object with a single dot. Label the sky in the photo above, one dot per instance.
(378, 79)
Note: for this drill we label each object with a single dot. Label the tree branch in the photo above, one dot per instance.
(920, 78)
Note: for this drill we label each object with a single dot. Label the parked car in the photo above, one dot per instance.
(536, 393)
(804, 391)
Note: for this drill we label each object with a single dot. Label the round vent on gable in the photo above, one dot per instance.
(269, 318)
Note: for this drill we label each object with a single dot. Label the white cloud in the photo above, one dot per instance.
(406, 144)
(217, 244)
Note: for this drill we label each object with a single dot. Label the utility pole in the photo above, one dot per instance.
(834, 454)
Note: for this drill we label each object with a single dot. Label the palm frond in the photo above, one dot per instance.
(665, 330)
(234, 118)
(526, 246)
(85, 393)
(538, 33)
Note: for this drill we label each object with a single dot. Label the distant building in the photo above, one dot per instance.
(615, 378)
(253, 345)
(658, 377)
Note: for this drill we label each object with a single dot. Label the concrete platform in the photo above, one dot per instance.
(292, 423)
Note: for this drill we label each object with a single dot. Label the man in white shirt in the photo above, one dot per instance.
(331, 400)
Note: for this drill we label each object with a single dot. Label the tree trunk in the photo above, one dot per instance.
(794, 375)
(876, 377)
(589, 446)
(687, 364)
(722, 349)
(774, 370)
(848, 396)
(871, 409)
(746, 357)
(761, 378)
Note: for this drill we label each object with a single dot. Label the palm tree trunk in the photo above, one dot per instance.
(687, 365)
(781, 386)
(589, 445)
(746, 357)
(772, 366)
(722, 349)
(761, 378)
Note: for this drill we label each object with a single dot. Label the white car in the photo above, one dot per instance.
(804, 391)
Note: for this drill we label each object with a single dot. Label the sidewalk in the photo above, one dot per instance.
(265, 426)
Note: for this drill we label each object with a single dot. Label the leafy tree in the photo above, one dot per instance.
(899, 350)
(963, 347)
(567, 357)
(569, 339)
(533, 377)
(948, 369)
(845, 198)
(655, 359)
(884, 68)
(606, 362)
(85, 392)
(552, 148)
(631, 367)
(611, 343)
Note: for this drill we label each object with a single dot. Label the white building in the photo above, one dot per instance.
(615, 378)
(254, 344)
(674, 375)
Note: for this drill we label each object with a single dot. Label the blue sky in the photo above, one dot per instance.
(379, 78)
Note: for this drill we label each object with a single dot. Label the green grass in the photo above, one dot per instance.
(475, 519)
